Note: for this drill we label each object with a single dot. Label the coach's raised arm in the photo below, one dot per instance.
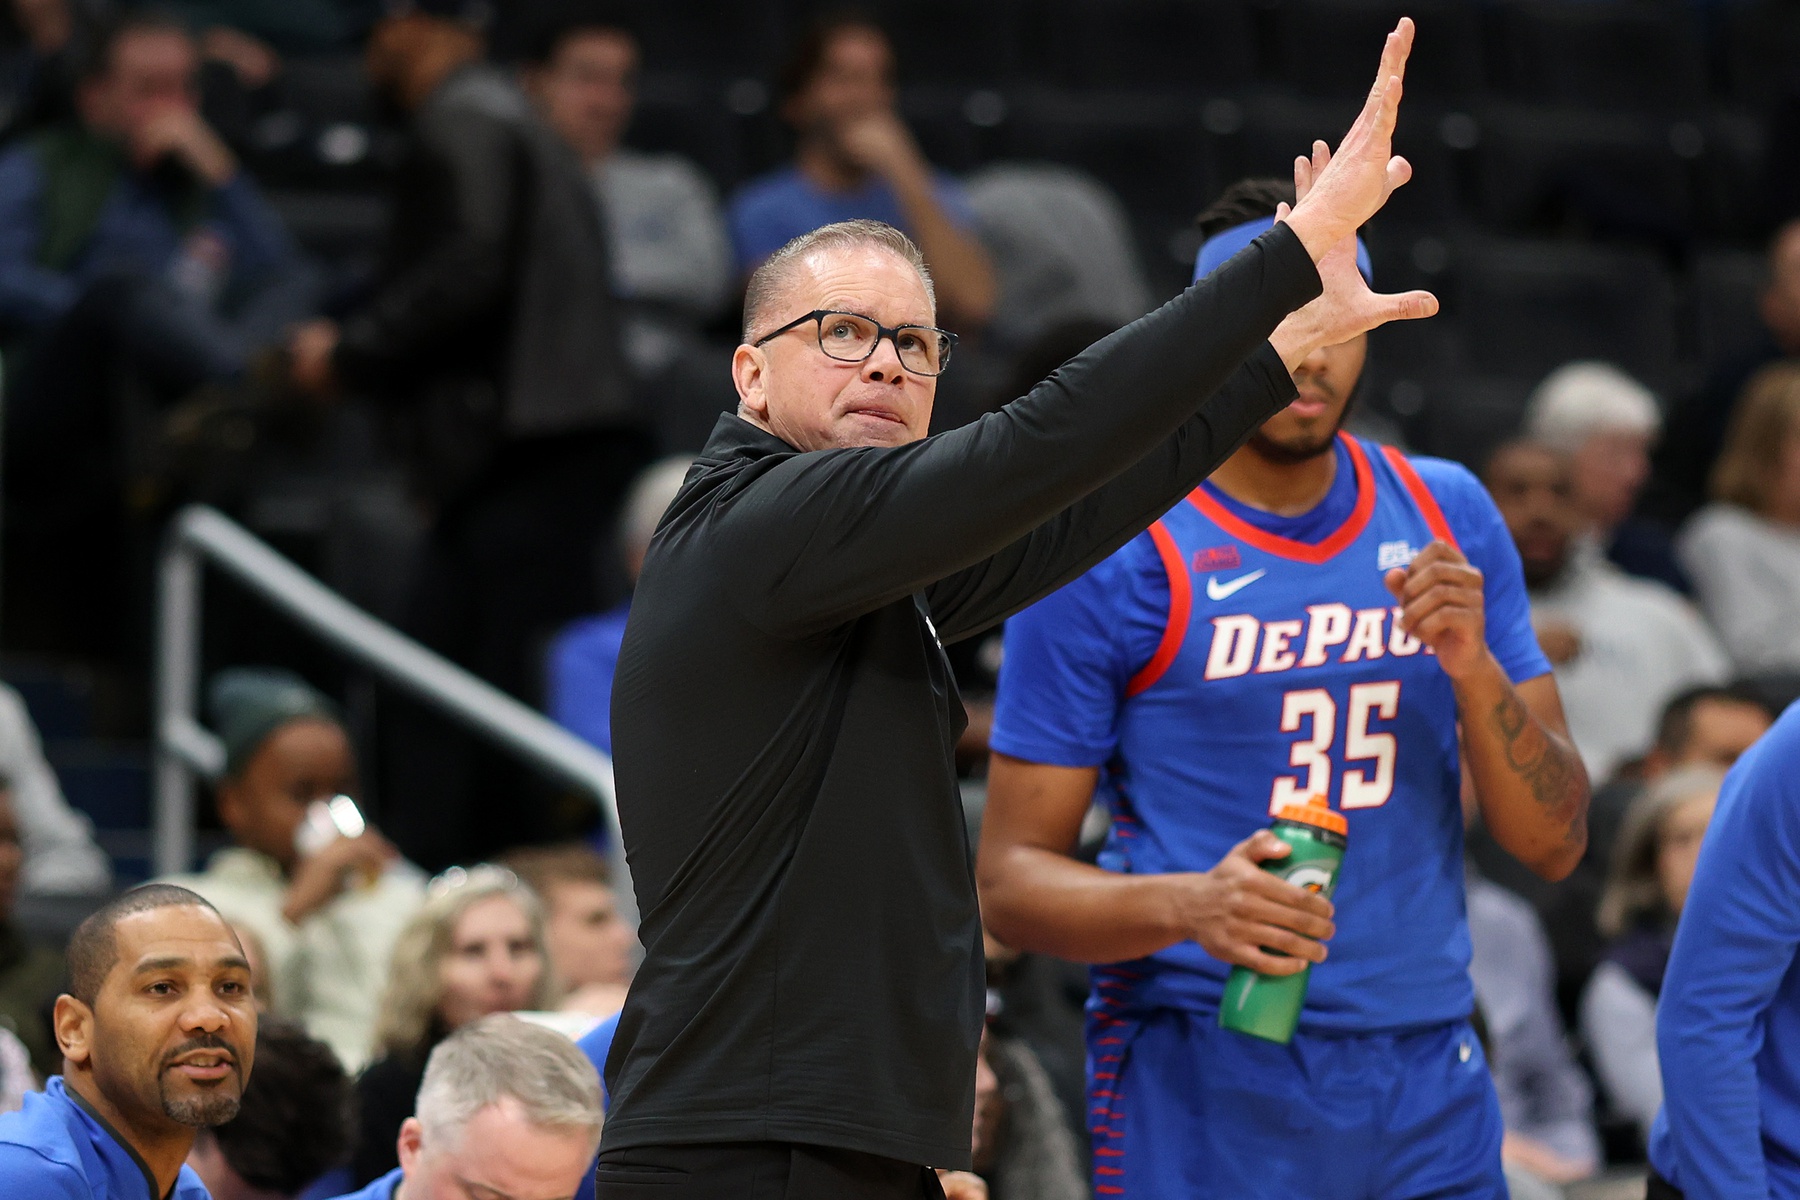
(784, 721)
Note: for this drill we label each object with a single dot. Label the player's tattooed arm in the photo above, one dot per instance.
(1529, 781)
(1551, 771)
(1528, 777)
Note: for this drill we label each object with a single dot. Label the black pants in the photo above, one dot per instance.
(1659, 1188)
(760, 1171)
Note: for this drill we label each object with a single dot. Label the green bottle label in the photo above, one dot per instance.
(1268, 1006)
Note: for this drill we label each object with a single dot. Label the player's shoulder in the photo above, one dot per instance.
(1447, 478)
(1462, 497)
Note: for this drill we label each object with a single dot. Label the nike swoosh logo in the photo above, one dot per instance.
(1223, 591)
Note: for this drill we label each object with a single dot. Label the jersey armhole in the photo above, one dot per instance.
(1181, 604)
(1421, 494)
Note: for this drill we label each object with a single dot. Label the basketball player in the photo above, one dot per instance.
(1323, 616)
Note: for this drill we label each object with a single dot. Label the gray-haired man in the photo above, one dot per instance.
(507, 1111)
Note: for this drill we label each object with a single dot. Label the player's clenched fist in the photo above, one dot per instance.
(1443, 605)
(1238, 912)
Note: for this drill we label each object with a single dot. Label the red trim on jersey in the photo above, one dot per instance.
(1421, 494)
(1304, 552)
(1181, 604)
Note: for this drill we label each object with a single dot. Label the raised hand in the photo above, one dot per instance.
(1346, 307)
(1346, 189)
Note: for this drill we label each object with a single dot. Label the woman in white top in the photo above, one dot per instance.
(1653, 864)
(1743, 550)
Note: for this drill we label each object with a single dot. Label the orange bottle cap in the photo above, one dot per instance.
(1315, 812)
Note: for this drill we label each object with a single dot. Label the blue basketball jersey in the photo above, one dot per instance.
(1228, 662)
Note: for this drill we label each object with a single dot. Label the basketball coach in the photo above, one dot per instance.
(805, 1023)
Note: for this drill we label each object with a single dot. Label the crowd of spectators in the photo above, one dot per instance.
(544, 342)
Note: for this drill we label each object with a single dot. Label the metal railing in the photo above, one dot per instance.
(199, 535)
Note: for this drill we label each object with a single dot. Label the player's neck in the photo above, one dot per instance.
(1287, 489)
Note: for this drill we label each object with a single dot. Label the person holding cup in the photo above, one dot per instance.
(325, 895)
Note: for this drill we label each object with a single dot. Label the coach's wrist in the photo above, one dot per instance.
(1318, 228)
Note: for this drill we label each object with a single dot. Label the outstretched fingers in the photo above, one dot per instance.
(1397, 49)
(1399, 172)
(1404, 306)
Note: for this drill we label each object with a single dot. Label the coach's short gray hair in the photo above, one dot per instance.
(500, 1056)
(769, 281)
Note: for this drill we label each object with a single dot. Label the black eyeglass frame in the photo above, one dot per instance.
(881, 331)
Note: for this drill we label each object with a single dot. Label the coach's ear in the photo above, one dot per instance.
(749, 371)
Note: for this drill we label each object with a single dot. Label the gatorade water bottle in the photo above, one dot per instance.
(1268, 1006)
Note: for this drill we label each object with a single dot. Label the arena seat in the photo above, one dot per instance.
(1541, 169)
(1205, 47)
(1722, 303)
(1526, 307)
(1155, 155)
(1464, 417)
(688, 114)
(1627, 54)
(1759, 51)
(1278, 128)
(722, 41)
(1329, 47)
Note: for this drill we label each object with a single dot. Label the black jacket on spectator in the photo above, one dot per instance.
(785, 724)
(494, 319)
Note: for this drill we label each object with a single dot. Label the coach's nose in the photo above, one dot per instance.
(883, 366)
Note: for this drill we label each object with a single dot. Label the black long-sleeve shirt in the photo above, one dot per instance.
(785, 724)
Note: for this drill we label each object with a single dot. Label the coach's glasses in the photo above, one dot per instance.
(852, 338)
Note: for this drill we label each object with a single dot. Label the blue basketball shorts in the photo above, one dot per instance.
(1180, 1109)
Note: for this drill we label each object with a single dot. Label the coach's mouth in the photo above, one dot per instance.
(878, 411)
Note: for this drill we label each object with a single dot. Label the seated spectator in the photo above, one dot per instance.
(492, 334)
(288, 26)
(1063, 253)
(855, 159)
(292, 1128)
(475, 948)
(1702, 726)
(1651, 871)
(1621, 646)
(1545, 1099)
(1022, 1148)
(140, 1076)
(591, 947)
(1697, 427)
(1743, 550)
(1607, 422)
(325, 909)
(504, 1109)
(585, 654)
(137, 262)
(30, 976)
(61, 856)
(671, 258)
